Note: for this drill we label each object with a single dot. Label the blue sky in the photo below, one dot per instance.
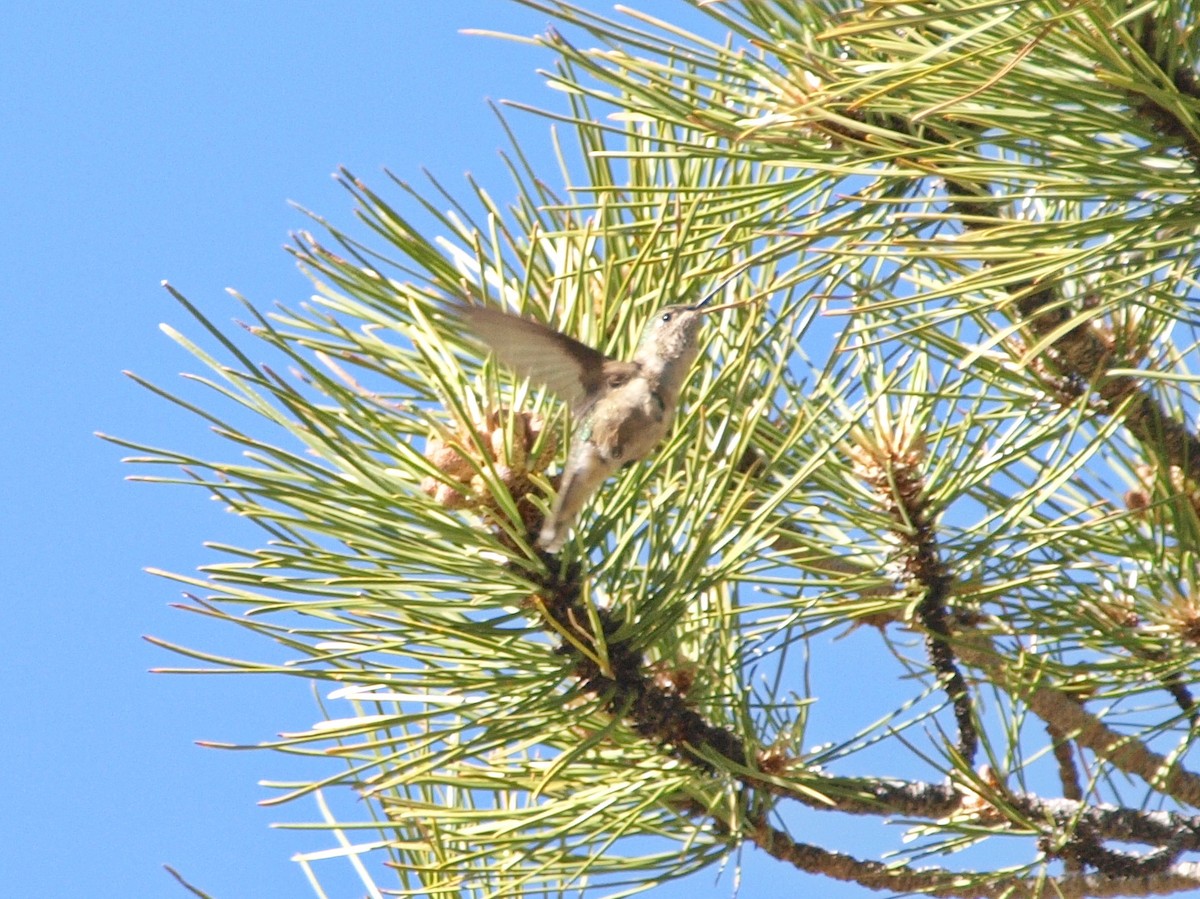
(144, 141)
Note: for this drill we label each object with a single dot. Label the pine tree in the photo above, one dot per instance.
(922, 552)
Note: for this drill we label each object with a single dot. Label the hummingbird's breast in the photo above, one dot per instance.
(630, 420)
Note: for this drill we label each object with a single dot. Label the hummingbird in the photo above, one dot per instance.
(622, 410)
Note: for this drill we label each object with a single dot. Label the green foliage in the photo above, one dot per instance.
(959, 414)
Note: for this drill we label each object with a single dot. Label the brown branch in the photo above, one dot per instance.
(1157, 47)
(1123, 751)
(1082, 847)
(1068, 775)
(871, 874)
(891, 460)
(967, 885)
(1111, 823)
(656, 713)
(663, 715)
(931, 611)
(1081, 354)
(1172, 682)
(1073, 830)
(912, 799)
(1082, 357)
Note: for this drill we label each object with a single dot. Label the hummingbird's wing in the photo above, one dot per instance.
(573, 370)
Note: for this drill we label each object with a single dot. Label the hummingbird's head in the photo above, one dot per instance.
(672, 332)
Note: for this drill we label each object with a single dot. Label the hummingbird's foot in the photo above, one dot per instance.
(552, 538)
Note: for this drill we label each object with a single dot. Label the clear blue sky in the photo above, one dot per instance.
(144, 141)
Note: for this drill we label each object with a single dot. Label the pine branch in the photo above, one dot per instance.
(1145, 876)
(891, 461)
(664, 717)
(1125, 752)
(964, 176)
(1160, 39)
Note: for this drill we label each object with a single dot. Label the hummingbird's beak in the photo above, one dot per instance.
(720, 287)
(700, 307)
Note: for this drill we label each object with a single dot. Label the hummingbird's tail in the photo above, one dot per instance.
(585, 471)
